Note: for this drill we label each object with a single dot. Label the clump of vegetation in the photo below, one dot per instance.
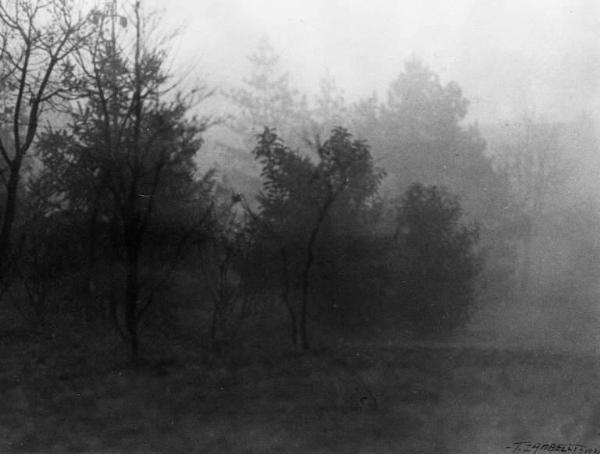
(298, 198)
(139, 285)
(437, 260)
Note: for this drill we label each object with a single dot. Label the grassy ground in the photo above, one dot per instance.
(65, 394)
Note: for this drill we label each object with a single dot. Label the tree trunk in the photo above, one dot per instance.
(310, 257)
(10, 210)
(303, 336)
(91, 308)
(285, 296)
(303, 343)
(91, 262)
(132, 295)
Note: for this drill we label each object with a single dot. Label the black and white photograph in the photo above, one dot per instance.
(300, 226)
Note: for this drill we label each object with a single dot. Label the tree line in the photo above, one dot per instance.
(338, 217)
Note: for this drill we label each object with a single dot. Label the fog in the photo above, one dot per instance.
(512, 59)
(508, 56)
(328, 226)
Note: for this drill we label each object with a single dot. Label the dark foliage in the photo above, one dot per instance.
(436, 259)
(301, 199)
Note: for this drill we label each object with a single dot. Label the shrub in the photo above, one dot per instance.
(437, 260)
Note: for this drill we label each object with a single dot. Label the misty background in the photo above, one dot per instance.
(299, 226)
(514, 61)
(508, 57)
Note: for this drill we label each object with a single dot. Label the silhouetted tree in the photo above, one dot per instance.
(437, 260)
(127, 157)
(297, 198)
(37, 39)
(419, 134)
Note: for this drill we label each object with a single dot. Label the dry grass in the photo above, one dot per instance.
(67, 395)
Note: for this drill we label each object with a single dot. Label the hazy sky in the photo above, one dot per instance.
(508, 56)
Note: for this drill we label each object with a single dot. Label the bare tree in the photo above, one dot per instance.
(37, 38)
(233, 286)
(536, 169)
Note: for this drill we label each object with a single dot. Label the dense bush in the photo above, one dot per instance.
(436, 260)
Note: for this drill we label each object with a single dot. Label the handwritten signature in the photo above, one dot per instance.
(533, 448)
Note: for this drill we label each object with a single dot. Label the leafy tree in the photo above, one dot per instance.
(297, 198)
(350, 274)
(424, 139)
(419, 134)
(127, 157)
(437, 260)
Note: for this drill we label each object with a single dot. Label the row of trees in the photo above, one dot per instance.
(518, 187)
(318, 244)
(115, 160)
(418, 135)
(107, 199)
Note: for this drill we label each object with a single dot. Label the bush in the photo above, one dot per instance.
(47, 260)
(349, 275)
(437, 261)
